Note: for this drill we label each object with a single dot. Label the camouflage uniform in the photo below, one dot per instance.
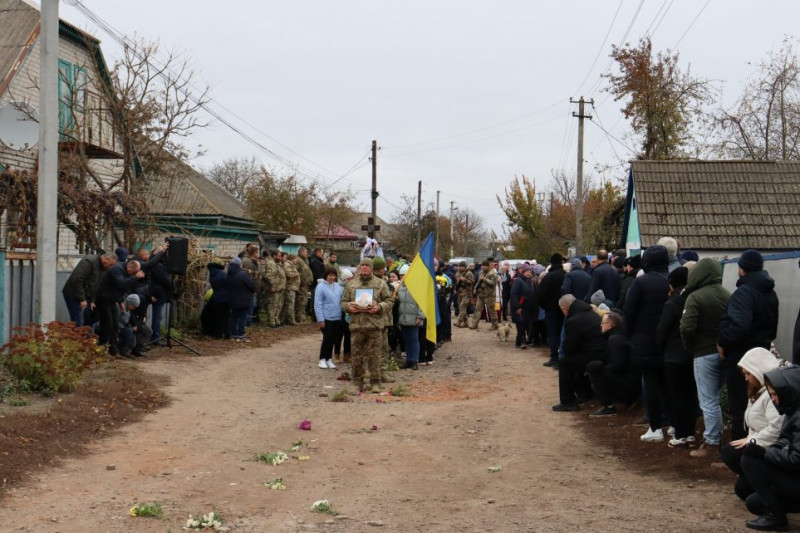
(292, 285)
(388, 321)
(486, 298)
(306, 280)
(251, 266)
(280, 290)
(365, 328)
(464, 283)
(271, 275)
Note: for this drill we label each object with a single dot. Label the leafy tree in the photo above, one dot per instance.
(236, 175)
(283, 203)
(660, 99)
(764, 124)
(525, 216)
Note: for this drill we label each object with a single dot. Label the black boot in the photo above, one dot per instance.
(770, 521)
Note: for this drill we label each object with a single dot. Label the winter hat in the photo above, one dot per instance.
(236, 261)
(132, 300)
(366, 261)
(122, 254)
(345, 274)
(758, 362)
(634, 261)
(217, 261)
(524, 267)
(690, 255)
(751, 261)
(679, 277)
(378, 263)
(557, 259)
(576, 264)
(463, 264)
(403, 270)
(537, 269)
(598, 298)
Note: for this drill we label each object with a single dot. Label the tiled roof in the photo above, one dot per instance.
(187, 192)
(719, 204)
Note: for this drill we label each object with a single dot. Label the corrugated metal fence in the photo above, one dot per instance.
(17, 278)
(783, 268)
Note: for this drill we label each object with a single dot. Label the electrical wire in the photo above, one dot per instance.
(691, 24)
(600, 50)
(662, 18)
(296, 167)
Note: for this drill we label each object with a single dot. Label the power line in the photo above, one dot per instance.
(470, 132)
(610, 136)
(662, 18)
(691, 24)
(296, 167)
(647, 31)
(600, 50)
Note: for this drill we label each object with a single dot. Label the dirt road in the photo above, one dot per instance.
(425, 468)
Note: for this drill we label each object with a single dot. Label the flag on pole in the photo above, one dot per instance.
(420, 281)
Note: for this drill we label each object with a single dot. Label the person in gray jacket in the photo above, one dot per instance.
(411, 318)
(81, 287)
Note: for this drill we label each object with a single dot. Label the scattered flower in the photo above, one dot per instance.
(322, 506)
(303, 458)
(495, 468)
(211, 520)
(275, 484)
(305, 425)
(272, 458)
(374, 428)
(296, 446)
(150, 509)
(378, 400)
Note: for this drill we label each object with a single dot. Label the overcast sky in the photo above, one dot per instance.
(462, 94)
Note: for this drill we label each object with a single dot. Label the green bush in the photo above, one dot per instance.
(50, 358)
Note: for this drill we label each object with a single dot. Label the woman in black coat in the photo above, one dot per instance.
(678, 362)
(241, 289)
(523, 304)
(774, 471)
(644, 303)
(216, 313)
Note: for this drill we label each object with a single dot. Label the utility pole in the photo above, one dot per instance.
(374, 212)
(47, 203)
(579, 184)
(466, 233)
(436, 239)
(452, 225)
(419, 214)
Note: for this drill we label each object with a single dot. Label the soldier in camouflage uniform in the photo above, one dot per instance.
(486, 288)
(306, 282)
(250, 264)
(465, 281)
(292, 286)
(379, 271)
(280, 287)
(366, 324)
(271, 274)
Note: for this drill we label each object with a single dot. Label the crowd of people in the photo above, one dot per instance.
(659, 328)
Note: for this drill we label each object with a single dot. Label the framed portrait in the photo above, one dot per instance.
(364, 297)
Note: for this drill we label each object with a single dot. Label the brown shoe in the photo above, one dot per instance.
(375, 388)
(387, 379)
(336, 359)
(705, 450)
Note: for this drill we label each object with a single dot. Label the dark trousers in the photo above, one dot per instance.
(682, 391)
(343, 346)
(732, 457)
(611, 387)
(537, 332)
(411, 338)
(737, 396)
(331, 336)
(776, 486)
(426, 347)
(523, 322)
(572, 381)
(108, 316)
(655, 386)
(444, 331)
(238, 321)
(74, 309)
(554, 320)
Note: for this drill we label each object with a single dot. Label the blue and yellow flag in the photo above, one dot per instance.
(420, 282)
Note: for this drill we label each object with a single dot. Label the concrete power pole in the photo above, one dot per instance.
(47, 204)
(436, 239)
(419, 214)
(374, 194)
(452, 225)
(579, 184)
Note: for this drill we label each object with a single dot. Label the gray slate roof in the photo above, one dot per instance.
(187, 192)
(18, 21)
(717, 205)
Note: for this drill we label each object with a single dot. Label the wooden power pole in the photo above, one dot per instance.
(419, 214)
(371, 227)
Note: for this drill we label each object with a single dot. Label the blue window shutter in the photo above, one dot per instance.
(65, 83)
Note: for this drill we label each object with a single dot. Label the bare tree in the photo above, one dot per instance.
(236, 175)
(764, 124)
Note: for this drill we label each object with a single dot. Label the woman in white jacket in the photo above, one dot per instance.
(762, 420)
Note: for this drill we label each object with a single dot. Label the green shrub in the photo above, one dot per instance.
(50, 358)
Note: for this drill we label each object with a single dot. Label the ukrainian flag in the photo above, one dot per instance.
(420, 281)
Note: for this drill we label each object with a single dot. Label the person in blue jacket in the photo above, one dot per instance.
(241, 289)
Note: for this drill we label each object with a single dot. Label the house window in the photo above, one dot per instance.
(72, 82)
